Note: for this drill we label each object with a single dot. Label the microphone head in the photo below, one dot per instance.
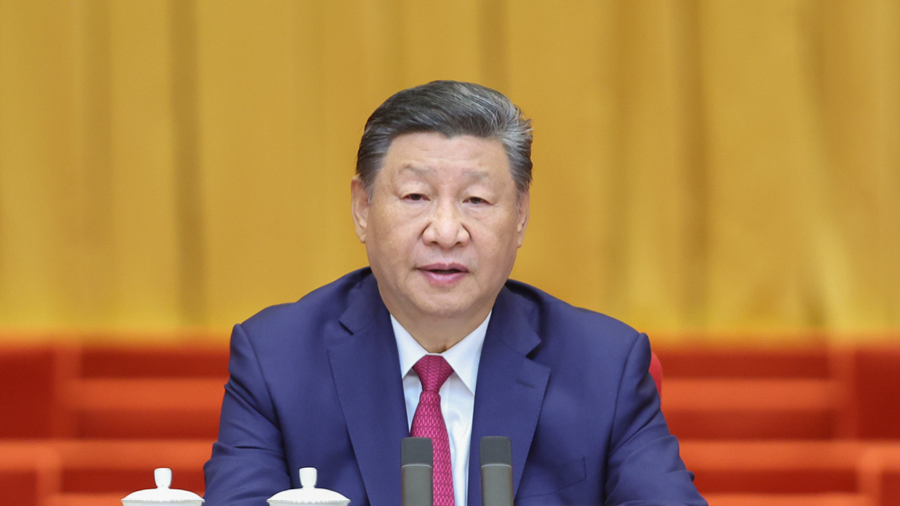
(496, 450)
(416, 450)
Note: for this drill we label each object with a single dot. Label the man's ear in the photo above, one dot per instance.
(359, 207)
(522, 209)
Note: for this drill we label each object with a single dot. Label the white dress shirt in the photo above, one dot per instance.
(457, 394)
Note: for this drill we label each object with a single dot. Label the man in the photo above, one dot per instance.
(335, 380)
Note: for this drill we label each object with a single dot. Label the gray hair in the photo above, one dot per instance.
(451, 108)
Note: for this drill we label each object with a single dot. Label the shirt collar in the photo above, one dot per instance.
(463, 357)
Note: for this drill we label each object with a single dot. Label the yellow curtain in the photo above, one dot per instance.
(701, 167)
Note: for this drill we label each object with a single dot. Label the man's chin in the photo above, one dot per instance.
(447, 313)
(448, 309)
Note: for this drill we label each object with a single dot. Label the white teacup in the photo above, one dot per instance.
(162, 494)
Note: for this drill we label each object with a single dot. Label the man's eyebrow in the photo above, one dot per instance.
(418, 171)
(474, 174)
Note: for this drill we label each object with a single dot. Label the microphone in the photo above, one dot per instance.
(496, 471)
(416, 471)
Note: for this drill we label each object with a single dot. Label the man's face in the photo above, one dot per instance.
(442, 226)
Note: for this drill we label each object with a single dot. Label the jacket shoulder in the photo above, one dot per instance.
(562, 325)
(322, 306)
(549, 310)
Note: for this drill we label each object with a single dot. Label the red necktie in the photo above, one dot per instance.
(433, 371)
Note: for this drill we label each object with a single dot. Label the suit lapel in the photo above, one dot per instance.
(366, 372)
(510, 388)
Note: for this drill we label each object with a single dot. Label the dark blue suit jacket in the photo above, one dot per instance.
(317, 384)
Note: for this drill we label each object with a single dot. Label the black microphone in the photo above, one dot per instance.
(416, 471)
(496, 471)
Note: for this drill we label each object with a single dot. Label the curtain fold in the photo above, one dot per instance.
(701, 166)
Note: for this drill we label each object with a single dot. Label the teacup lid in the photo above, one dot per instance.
(309, 494)
(162, 492)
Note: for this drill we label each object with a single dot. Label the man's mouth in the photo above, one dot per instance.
(445, 269)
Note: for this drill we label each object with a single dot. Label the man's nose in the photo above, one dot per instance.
(446, 226)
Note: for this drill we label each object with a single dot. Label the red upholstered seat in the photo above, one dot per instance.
(774, 426)
(788, 500)
(774, 467)
(28, 391)
(28, 473)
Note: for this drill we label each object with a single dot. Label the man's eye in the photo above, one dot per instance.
(415, 197)
(476, 200)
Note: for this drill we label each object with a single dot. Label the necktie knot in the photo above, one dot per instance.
(433, 371)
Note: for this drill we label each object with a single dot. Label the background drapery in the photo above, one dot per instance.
(701, 167)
